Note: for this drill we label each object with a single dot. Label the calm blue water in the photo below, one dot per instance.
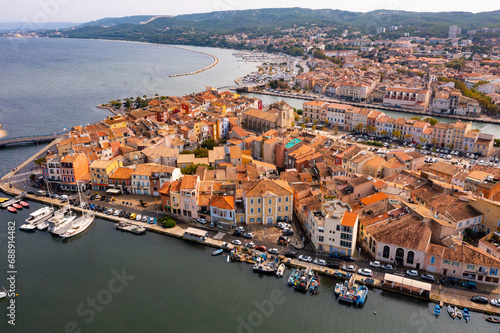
(48, 84)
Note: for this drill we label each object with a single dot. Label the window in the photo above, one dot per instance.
(251, 201)
(269, 210)
(251, 210)
(286, 199)
(279, 209)
(258, 210)
(410, 257)
(470, 267)
(320, 238)
(279, 200)
(386, 252)
(433, 259)
(493, 271)
(258, 200)
(286, 208)
(270, 201)
(446, 261)
(252, 220)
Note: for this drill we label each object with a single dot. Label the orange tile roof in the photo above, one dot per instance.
(349, 219)
(188, 182)
(374, 198)
(223, 202)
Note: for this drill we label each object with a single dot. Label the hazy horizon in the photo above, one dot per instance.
(80, 11)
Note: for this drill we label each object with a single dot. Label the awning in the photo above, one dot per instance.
(113, 191)
(408, 283)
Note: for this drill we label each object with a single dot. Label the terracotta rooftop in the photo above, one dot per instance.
(223, 202)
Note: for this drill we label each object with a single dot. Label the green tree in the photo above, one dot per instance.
(336, 130)
(371, 129)
(314, 127)
(307, 119)
(431, 121)
(168, 223)
(303, 126)
(359, 127)
(315, 121)
(326, 122)
(416, 118)
(209, 143)
(397, 134)
(383, 132)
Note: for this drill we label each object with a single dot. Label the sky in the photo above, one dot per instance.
(41, 11)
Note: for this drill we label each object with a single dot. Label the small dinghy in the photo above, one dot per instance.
(17, 206)
(27, 227)
(437, 310)
(24, 204)
(451, 312)
(12, 209)
(42, 226)
(494, 320)
(458, 313)
(281, 270)
(466, 315)
(217, 252)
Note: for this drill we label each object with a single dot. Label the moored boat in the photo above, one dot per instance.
(360, 295)
(24, 204)
(265, 267)
(40, 215)
(458, 313)
(494, 320)
(281, 270)
(17, 206)
(42, 225)
(4, 199)
(437, 310)
(217, 252)
(304, 280)
(12, 209)
(27, 227)
(451, 312)
(126, 226)
(466, 315)
(294, 275)
(313, 288)
(3, 292)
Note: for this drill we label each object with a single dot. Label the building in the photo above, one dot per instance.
(315, 110)
(279, 117)
(333, 228)
(454, 31)
(100, 171)
(267, 201)
(407, 97)
(189, 196)
(222, 211)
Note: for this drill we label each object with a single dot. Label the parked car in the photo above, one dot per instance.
(236, 242)
(291, 254)
(287, 232)
(138, 217)
(495, 302)
(248, 235)
(320, 262)
(412, 273)
(122, 213)
(365, 272)
(273, 250)
(303, 257)
(469, 284)
(110, 211)
(103, 198)
(226, 246)
(450, 281)
(212, 224)
(388, 267)
(201, 220)
(261, 248)
(117, 212)
(334, 265)
(237, 233)
(152, 220)
(375, 264)
(145, 218)
(347, 258)
(479, 299)
(250, 245)
(428, 277)
(133, 216)
(349, 268)
(127, 215)
(240, 229)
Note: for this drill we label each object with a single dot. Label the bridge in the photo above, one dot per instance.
(29, 139)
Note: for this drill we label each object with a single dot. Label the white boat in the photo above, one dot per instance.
(127, 226)
(61, 221)
(43, 225)
(3, 292)
(27, 227)
(40, 215)
(281, 270)
(80, 224)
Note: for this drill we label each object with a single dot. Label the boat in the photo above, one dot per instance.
(12, 209)
(4, 199)
(437, 310)
(24, 204)
(17, 206)
(294, 275)
(304, 280)
(458, 313)
(3, 292)
(263, 267)
(127, 226)
(280, 271)
(313, 288)
(338, 288)
(27, 227)
(494, 320)
(451, 312)
(360, 295)
(40, 215)
(466, 315)
(217, 252)
(60, 222)
(42, 225)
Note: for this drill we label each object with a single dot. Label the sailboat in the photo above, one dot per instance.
(82, 223)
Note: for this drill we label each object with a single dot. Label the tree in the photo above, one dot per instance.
(303, 126)
(315, 121)
(359, 127)
(336, 129)
(383, 132)
(370, 129)
(423, 140)
(396, 134)
(416, 118)
(431, 121)
(168, 223)
(307, 119)
(190, 169)
(326, 122)
(314, 127)
(209, 143)
(293, 123)
(297, 117)
(407, 136)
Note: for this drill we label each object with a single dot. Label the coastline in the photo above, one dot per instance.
(2, 132)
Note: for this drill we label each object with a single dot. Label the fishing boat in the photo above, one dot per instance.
(27, 227)
(494, 320)
(217, 252)
(360, 295)
(294, 275)
(280, 271)
(264, 267)
(458, 313)
(338, 288)
(126, 226)
(12, 209)
(466, 315)
(17, 206)
(40, 215)
(437, 310)
(42, 225)
(3, 292)
(313, 288)
(24, 204)
(304, 281)
(451, 312)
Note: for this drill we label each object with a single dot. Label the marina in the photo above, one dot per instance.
(130, 227)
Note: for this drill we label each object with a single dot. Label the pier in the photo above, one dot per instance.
(17, 199)
(29, 140)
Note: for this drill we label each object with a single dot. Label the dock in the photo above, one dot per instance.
(17, 199)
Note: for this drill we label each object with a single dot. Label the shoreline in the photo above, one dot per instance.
(178, 232)
(2, 133)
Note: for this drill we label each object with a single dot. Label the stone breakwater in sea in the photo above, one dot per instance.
(214, 63)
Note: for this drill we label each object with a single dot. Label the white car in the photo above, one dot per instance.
(428, 277)
(412, 273)
(138, 217)
(349, 268)
(201, 220)
(320, 262)
(273, 251)
(375, 264)
(145, 218)
(495, 302)
(305, 258)
(236, 242)
(250, 245)
(117, 212)
(365, 272)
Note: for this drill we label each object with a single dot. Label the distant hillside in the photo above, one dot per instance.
(24, 26)
(196, 29)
